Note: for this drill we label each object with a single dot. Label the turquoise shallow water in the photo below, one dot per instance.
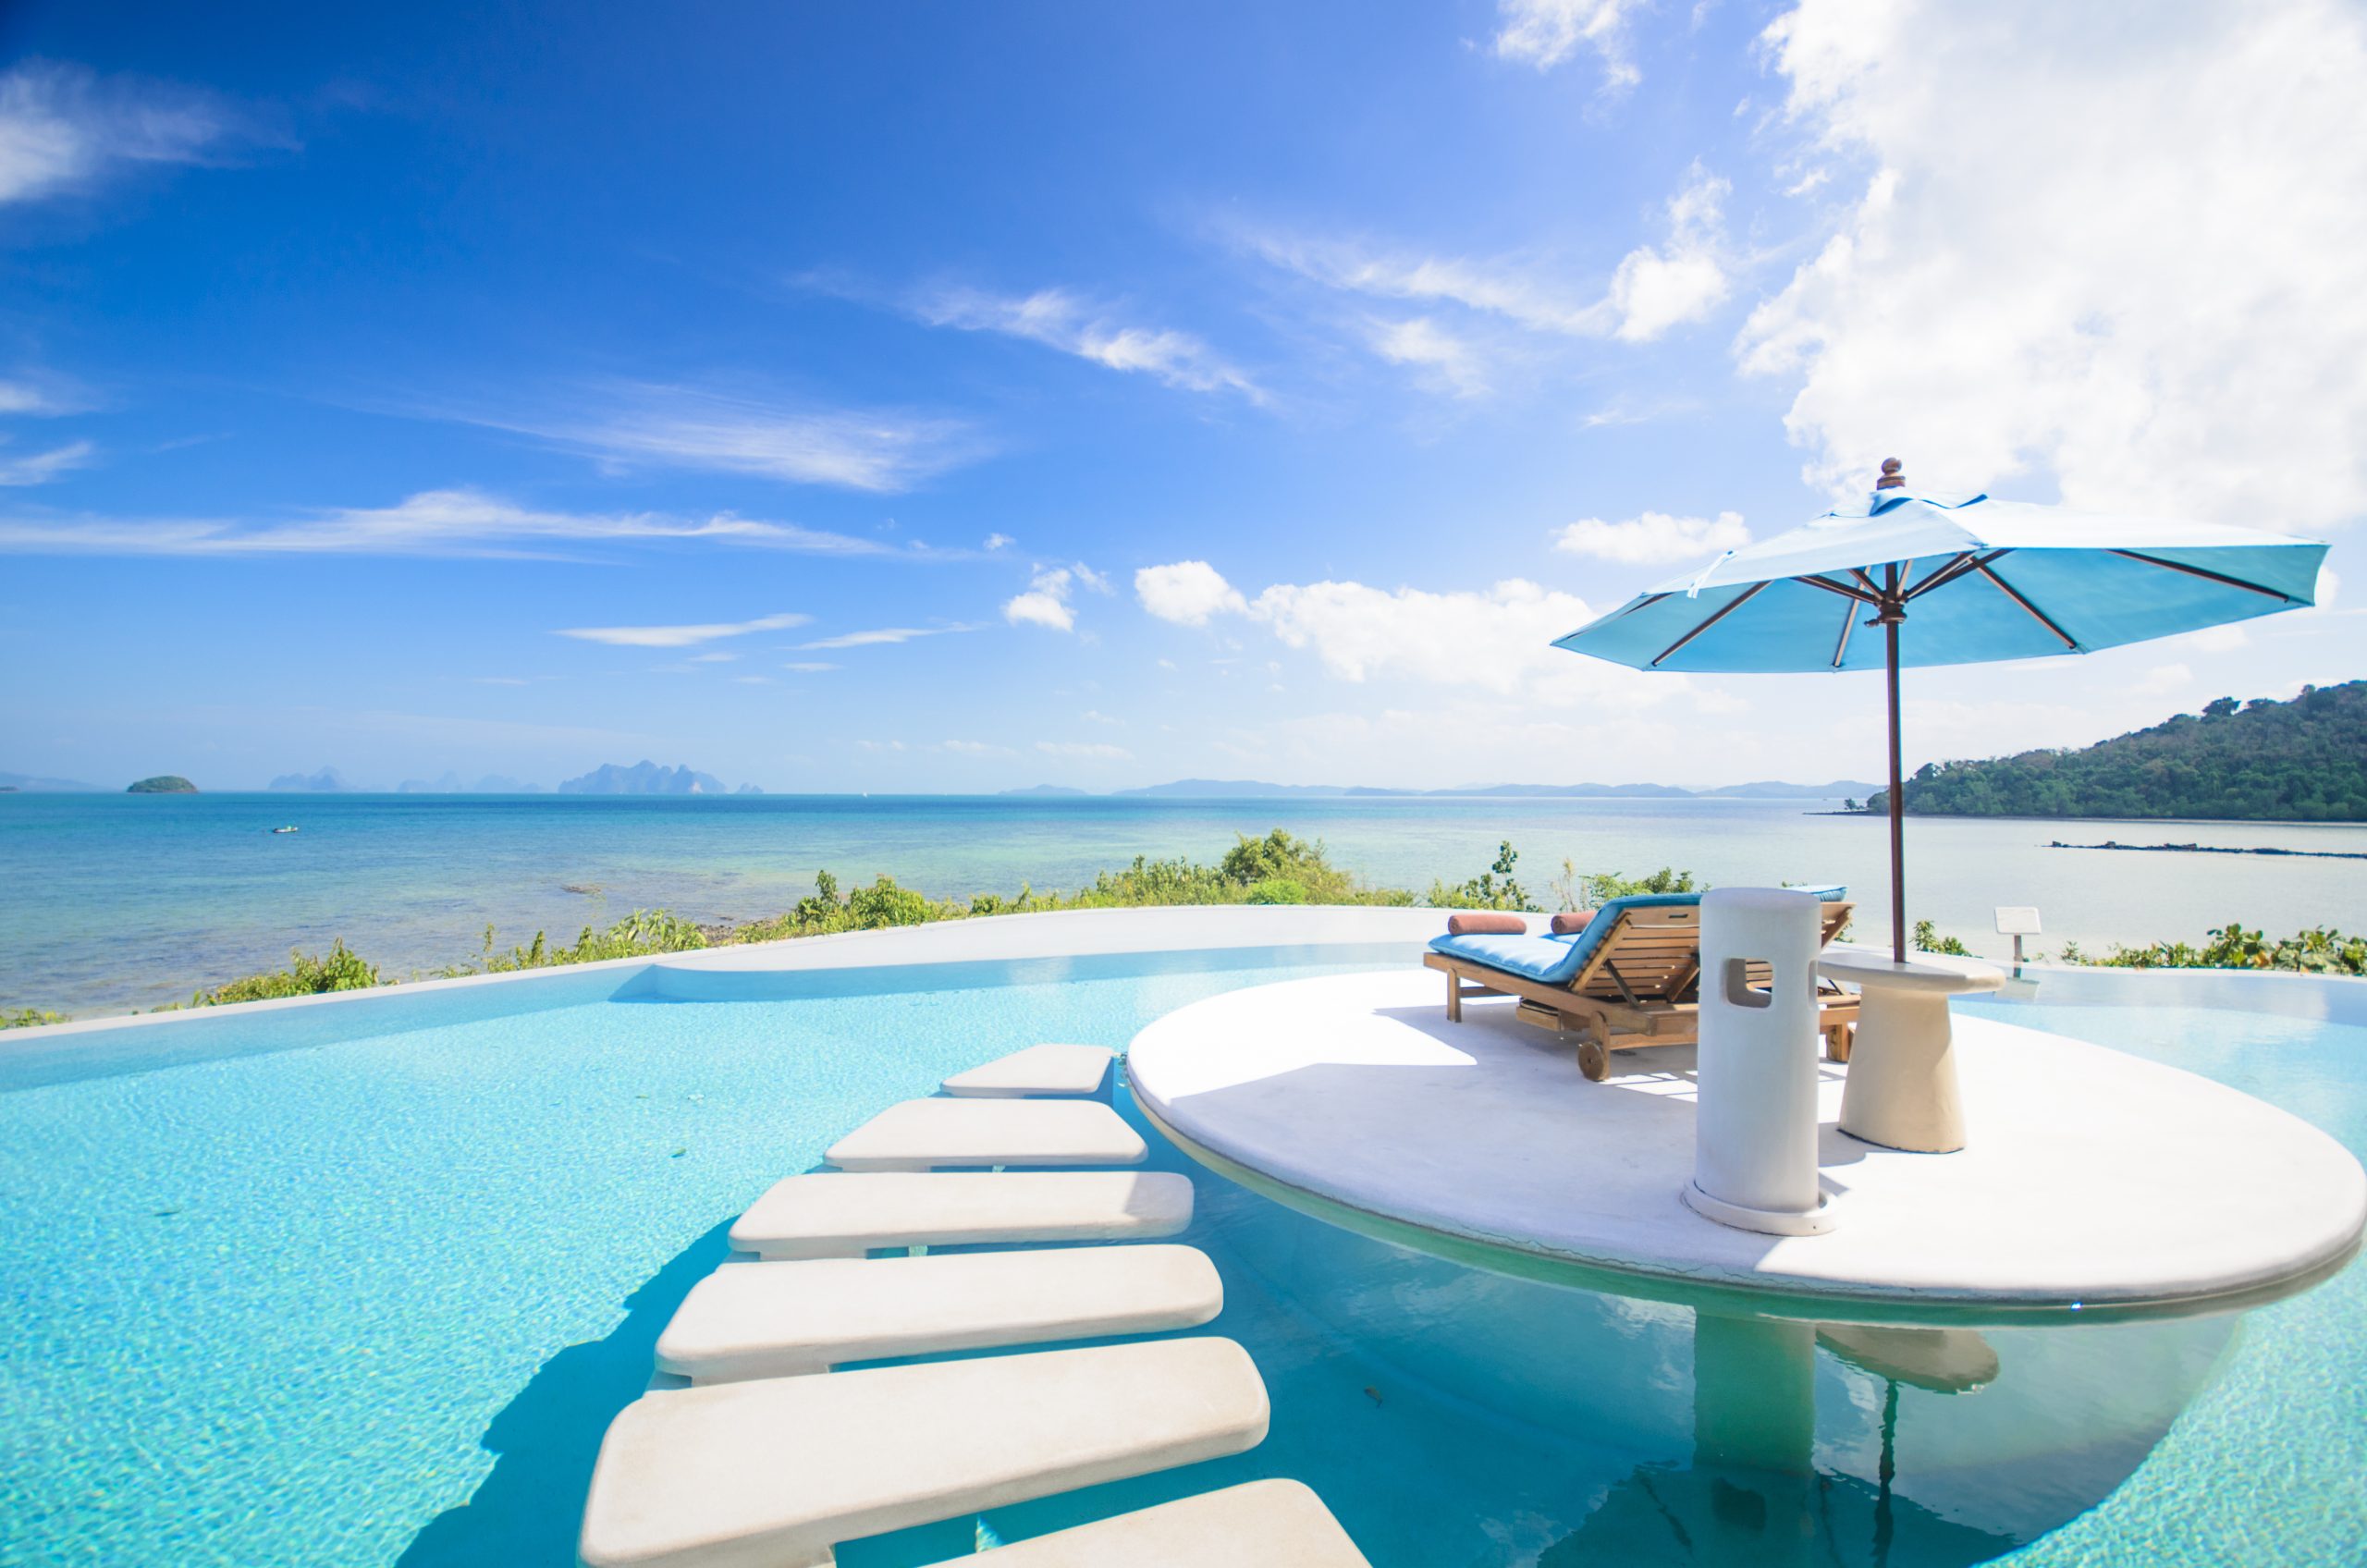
(373, 1299)
(116, 901)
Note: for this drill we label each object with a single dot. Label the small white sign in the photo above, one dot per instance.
(2016, 920)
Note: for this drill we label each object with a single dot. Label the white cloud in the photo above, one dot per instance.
(433, 523)
(1655, 288)
(643, 425)
(1451, 363)
(999, 541)
(1653, 536)
(682, 636)
(753, 679)
(1187, 593)
(978, 749)
(2163, 678)
(2124, 257)
(809, 667)
(41, 467)
(1092, 716)
(1046, 603)
(1061, 320)
(881, 636)
(1086, 749)
(1545, 33)
(62, 127)
(719, 657)
(1496, 640)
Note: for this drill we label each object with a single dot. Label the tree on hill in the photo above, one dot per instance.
(2299, 761)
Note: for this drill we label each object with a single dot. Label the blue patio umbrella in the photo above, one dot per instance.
(1950, 582)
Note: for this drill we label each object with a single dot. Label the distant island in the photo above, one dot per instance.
(328, 780)
(2261, 761)
(31, 785)
(642, 779)
(163, 784)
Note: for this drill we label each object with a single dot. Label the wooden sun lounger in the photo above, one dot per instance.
(1641, 986)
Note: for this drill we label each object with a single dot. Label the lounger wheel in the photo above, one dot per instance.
(1594, 1059)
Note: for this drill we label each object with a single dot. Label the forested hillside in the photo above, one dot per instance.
(2302, 761)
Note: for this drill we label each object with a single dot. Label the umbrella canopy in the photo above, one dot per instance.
(1902, 580)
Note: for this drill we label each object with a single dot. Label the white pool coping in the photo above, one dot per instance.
(2090, 1177)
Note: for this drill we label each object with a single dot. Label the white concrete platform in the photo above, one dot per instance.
(1258, 1524)
(779, 1471)
(927, 1134)
(1049, 1069)
(788, 1319)
(848, 1215)
(2089, 1177)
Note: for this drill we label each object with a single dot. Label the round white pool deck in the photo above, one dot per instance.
(2090, 1177)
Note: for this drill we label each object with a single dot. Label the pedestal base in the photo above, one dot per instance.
(1766, 1221)
(1902, 1092)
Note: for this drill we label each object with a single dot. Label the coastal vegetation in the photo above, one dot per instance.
(1275, 869)
(163, 784)
(2299, 761)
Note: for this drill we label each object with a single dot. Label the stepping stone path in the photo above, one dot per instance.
(823, 1215)
(1271, 1523)
(1038, 1071)
(784, 1320)
(771, 1458)
(924, 1134)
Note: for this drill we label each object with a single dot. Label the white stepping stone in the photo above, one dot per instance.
(1271, 1524)
(846, 1216)
(922, 1134)
(787, 1319)
(779, 1471)
(1039, 1070)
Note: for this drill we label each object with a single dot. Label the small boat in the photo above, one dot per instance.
(290, 829)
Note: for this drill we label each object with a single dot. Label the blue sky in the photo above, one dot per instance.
(950, 397)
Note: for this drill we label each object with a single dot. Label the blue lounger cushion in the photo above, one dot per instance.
(1556, 960)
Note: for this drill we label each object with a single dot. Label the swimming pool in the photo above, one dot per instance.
(282, 1292)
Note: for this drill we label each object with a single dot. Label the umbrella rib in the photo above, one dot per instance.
(1715, 615)
(1829, 586)
(1960, 566)
(2035, 613)
(1848, 620)
(2210, 576)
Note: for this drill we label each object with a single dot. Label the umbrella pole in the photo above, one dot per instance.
(1898, 810)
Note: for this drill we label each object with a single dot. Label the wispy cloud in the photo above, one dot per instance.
(881, 636)
(433, 523)
(978, 749)
(39, 395)
(808, 667)
(41, 467)
(62, 127)
(680, 636)
(1544, 33)
(651, 425)
(1652, 536)
(1677, 279)
(1046, 601)
(1061, 319)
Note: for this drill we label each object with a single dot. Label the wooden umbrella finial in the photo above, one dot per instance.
(1892, 478)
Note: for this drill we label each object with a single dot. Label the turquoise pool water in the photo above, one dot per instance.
(294, 1298)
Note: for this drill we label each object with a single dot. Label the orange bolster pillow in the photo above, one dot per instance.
(1486, 925)
(1571, 919)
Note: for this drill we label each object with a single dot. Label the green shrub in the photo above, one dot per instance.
(28, 1018)
(340, 969)
(2320, 950)
(1485, 891)
(1929, 940)
(1277, 890)
(638, 935)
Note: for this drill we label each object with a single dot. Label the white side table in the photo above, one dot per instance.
(1902, 1089)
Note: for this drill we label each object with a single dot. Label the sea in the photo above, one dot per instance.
(114, 902)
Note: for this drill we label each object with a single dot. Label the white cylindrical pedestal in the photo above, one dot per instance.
(1754, 1154)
